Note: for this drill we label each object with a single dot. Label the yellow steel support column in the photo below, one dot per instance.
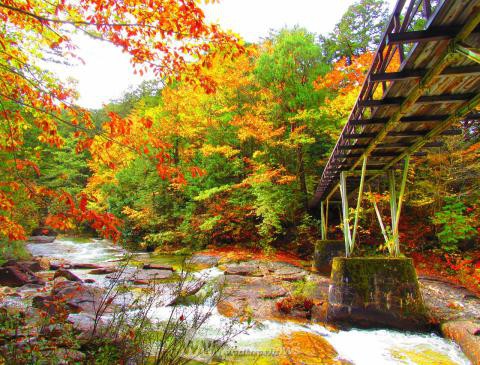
(396, 240)
(359, 201)
(346, 224)
(322, 221)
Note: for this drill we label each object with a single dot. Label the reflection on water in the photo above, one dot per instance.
(360, 347)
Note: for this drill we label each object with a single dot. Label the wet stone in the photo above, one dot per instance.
(41, 239)
(203, 260)
(158, 267)
(132, 274)
(243, 270)
(67, 275)
(103, 271)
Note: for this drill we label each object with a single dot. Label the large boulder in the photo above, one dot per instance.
(62, 273)
(44, 231)
(376, 292)
(307, 348)
(78, 297)
(467, 335)
(13, 274)
(33, 266)
(41, 239)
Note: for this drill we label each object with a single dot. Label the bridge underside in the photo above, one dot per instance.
(403, 109)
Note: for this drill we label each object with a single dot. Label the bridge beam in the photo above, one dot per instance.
(423, 85)
(470, 53)
(417, 74)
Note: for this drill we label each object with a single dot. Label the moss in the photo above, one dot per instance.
(325, 251)
(377, 285)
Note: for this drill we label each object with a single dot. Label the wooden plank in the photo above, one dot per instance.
(389, 145)
(410, 119)
(407, 133)
(459, 114)
(432, 34)
(426, 99)
(416, 74)
(373, 154)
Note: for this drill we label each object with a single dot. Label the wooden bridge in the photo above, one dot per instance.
(401, 110)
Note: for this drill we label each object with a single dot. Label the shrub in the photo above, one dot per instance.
(456, 224)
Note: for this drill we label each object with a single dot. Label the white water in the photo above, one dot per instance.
(361, 347)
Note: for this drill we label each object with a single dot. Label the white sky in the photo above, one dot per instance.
(107, 72)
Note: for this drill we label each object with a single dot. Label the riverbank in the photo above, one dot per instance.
(280, 293)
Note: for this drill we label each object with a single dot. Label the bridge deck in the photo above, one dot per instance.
(395, 115)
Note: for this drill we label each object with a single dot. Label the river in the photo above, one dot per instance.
(357, 346)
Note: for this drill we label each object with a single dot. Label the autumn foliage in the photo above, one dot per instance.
(171, 39)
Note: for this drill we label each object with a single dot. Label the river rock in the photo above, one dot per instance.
(32, 266)
(103, 271)
(49, 304)
(67, 275)
(16, 275)
(43, 262)
(86, 324)
(157, 267)
(227, 309)
(202, 260)
(59, 264)
(150, 275)
(307, 348)
(260, 288)
(439, 296)
(132, 275)
(43, 231)
(187, 290)
(41, 239)
(86, 266)
(243, 269)
(78, 297)
(290, 273)
(65, 356)
(467, 335)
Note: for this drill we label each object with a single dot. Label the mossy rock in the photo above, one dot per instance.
(325, 251)
(376, 292)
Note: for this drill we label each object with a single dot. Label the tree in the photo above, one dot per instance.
(169, 37)
(288, 68)
(359, 30)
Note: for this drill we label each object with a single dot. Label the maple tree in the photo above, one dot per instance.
(168, 37)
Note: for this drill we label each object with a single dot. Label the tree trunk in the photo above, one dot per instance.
(301, 176)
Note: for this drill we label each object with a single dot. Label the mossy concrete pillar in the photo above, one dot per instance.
(325, 251)
(376, 292)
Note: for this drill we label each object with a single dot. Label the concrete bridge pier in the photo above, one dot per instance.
(376, 292)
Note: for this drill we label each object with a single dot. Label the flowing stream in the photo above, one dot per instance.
(359, 347)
